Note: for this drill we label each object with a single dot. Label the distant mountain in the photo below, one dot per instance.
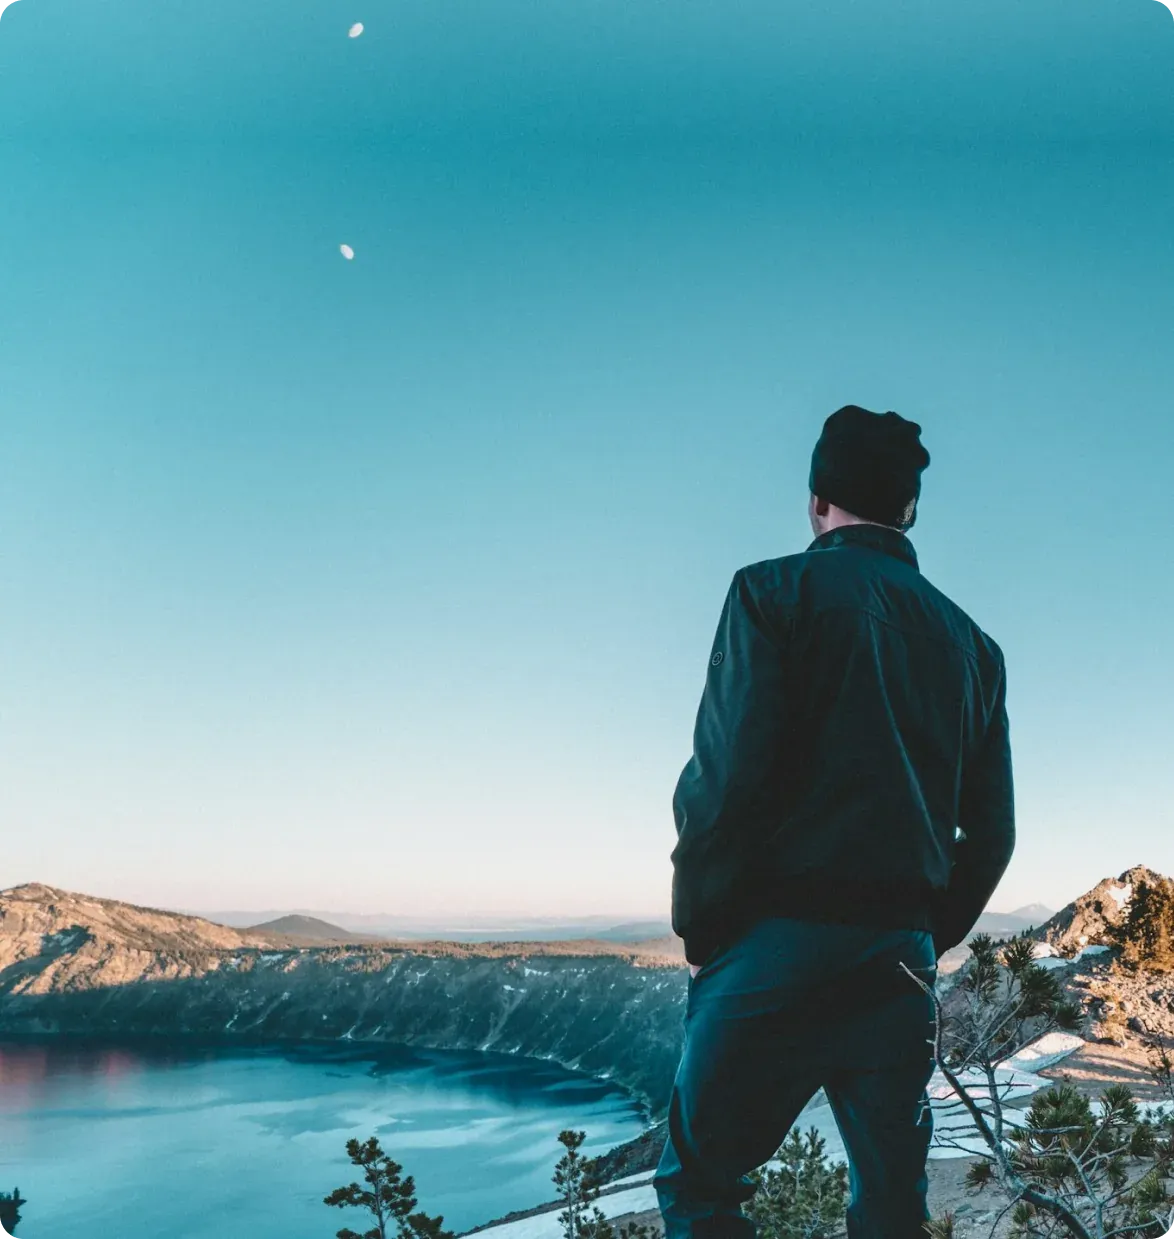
(370, 926)
(309, 930)
(1005, 924)
(1033, 913)
(633, 931)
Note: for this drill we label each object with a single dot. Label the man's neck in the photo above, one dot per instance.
(840, 524)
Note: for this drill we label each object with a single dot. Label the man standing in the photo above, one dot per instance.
(848, 808)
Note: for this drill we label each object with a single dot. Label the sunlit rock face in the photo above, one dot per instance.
(1085, 921)
(77, 965)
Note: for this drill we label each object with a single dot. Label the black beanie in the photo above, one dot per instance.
(870, 464)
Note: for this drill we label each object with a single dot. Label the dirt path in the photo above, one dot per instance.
(1097, 1064)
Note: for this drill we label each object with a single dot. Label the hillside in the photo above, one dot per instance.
(73, 964)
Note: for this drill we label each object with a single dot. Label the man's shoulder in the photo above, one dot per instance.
(785, 580)
(985, 647)
(769, 571)
(777, 578)
(785, 575)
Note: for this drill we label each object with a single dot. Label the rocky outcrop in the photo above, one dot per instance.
(1120, 1005)
(72, 964)
(1086, 921)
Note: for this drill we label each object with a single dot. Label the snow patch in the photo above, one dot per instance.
(644, 1177)
(546, 1225)
(1056, 961)
(1046, 1050)
(1122, 894)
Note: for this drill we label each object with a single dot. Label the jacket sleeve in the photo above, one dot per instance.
(986, 817)
(719, 798)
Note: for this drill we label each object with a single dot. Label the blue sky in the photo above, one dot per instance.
(388, 585)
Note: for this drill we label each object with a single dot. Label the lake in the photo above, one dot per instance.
(203, 1143)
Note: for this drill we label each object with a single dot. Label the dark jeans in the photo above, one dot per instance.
(791, 1007)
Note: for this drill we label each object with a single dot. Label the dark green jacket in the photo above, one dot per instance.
(851, 755)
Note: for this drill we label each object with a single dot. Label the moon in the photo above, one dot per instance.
(346, 252)
(353, 32)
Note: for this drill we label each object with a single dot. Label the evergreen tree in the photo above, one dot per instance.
(388, 1197)
(10, 1210)
(578, 1185)
(1146, 934)
(805, 1197)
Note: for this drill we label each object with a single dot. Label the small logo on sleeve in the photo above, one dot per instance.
(716, 659)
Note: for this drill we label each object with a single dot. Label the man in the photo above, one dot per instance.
(848, 809)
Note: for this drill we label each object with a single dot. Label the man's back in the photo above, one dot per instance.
(872, 722)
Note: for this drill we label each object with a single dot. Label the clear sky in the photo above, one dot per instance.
(388, 585)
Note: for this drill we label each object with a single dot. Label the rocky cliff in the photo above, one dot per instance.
(1122, 1004)
(75, 964)
(1086, 921)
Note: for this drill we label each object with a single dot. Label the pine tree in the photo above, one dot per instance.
(1146, 934)
(388, 1197)
(578, 1185)
(10, 1210)
(805, 1197)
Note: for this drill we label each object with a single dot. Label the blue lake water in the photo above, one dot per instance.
(201, 1143)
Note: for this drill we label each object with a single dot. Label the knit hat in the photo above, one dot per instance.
(870, 464)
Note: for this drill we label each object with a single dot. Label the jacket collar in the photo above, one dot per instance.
(877, 537)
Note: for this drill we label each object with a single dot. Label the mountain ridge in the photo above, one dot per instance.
(76, 965)
(79, 965)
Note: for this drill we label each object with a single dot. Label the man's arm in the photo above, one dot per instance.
(720, 796)
(986, 816)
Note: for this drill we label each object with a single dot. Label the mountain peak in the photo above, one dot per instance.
(1086, 920)
(306, 930)
(1033, 913)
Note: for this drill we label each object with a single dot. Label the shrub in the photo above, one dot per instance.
(805, 1197)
